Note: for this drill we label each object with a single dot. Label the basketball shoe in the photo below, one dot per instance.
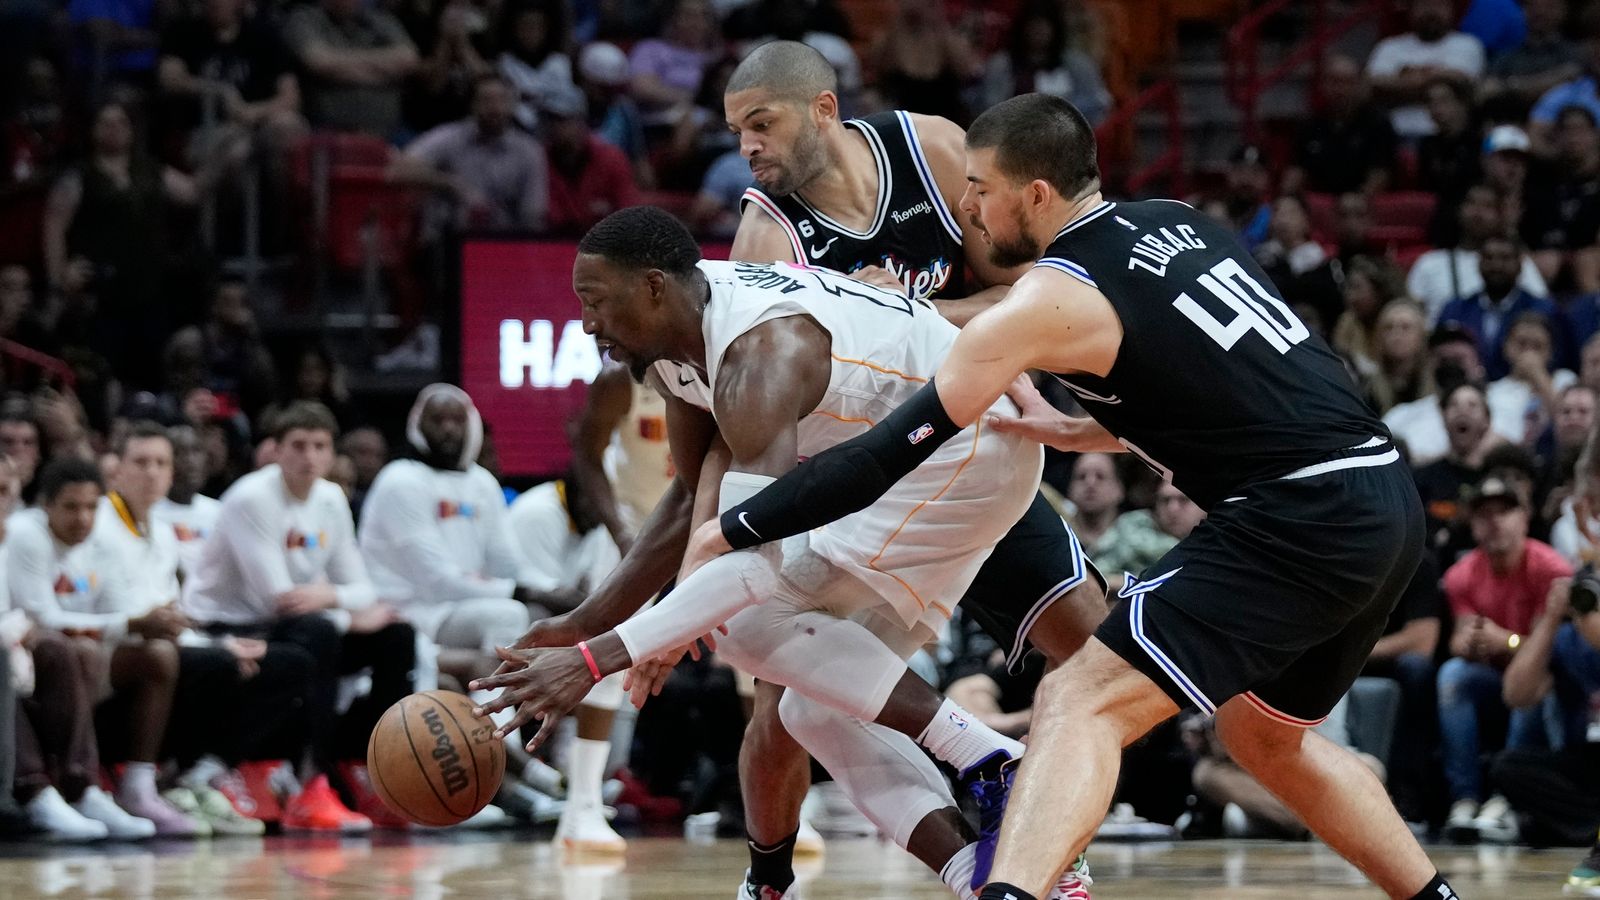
(368, 803)
(1075, 882)
(583, 829)
(1585, 879)
(317, 808)
(991, 795)
(752, 891)
(210, 806)
(250, 788)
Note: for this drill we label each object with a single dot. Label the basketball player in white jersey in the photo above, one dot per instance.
(780, 362)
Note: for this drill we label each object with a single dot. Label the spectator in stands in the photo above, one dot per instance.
(923, 62)
(369, 452)
(283, 566)
(1580, 90)
(1401, 371)
(457, 44)
(1094, 496)
(1452, 273)
(437, 540)
(20, 319)
(72, 581)
(224, 355)
(1496, 594)
(1448, 158)
(354, 60)
(1037, 59)
(493, 174)
(1543, 60)
(1348, 145)
(715, 210)
(1405, 654)
(1557, 792)
(105, 234)
(1445, 483)
(1488, 312)
(1402, 66)
(191, 515)
(1289, 252)
(701, 135)
(1246, 197)
(1563, 216)
(605, 77)
(229, 78)
(812, 24)
(667, 70)
(1370, 284)
(589, 179)
(534, 60)
(315, 376)
(1559, 454)
(1140, 537)
(35, 132)
(1521, 402)
(1505, 169)
(21, 443)
(115, 42)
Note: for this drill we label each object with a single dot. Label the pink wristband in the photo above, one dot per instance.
(583, 647)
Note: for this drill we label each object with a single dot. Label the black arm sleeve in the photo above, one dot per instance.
(845, 478)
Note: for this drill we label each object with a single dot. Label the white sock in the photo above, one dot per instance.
(955, 736)
(586, 767)
(138, 781)
(957, 873)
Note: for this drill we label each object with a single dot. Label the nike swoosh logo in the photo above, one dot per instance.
(816, 253)
(685, 381)
(746, 523)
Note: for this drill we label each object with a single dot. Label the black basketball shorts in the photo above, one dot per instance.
(1280, 593)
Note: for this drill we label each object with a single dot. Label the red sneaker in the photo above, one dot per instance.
(317, 808)
(368, 803)
(250, 790)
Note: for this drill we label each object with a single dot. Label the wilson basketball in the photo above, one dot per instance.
(432, 762)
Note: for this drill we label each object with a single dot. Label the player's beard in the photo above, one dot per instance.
(806, 162)
(1015, 252)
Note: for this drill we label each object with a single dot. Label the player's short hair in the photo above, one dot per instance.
(643, 237)
(143, 429)
(789, 69)
(1040, 137)
(304, 415)
(62, 472)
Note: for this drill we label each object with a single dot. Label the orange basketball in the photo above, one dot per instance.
(432, 762)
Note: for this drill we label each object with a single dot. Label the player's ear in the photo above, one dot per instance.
(656, 284)
(824, 106)
(1038, 194)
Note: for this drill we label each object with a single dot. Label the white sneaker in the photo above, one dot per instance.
(121, 825)
(1462, 823)
(829, 810)
(750, 891)
(1235, 821)
(60, 822)
(1496, 823)
(809, 841)
(490, 816)
(583, 829)
(526, 803)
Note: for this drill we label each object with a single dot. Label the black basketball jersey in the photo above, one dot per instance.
(914, 233)
(1217, 383)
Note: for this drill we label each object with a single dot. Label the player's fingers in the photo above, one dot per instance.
(522, 716)
(547, 729)
(710, 640)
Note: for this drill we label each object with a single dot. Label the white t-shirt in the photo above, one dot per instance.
(432, 537)
(558, 557)
(1461, 52)
(268, 542)
(1508, 404)
(191, 523)
(1429, 279)
(81, 587)
(149, 556)
(1420, 424)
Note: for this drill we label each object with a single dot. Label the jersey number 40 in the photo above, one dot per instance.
(1255, 309)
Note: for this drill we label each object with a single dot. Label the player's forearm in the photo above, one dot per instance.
(1527, 677)
(590, 472)
(645, 570)
(715, 593)
(960, 312)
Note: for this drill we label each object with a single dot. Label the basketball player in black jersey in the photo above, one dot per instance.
(1184, 354)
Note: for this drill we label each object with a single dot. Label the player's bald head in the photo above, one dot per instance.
(789, 70)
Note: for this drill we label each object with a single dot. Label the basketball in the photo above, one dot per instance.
(432, 762)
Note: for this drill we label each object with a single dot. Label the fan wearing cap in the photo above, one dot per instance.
(589, 178)
(1244, 202)
(1496, 594)
(604, 77)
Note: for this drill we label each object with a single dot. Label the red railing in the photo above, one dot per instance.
(1246, 83)
(1118, 134)
(50, 365)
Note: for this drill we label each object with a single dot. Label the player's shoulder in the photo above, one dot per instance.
(264, 485)
(398, 473)
(27, 527)
(538, 500)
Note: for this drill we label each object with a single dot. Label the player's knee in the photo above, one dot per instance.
(158, 660)
(1069, 622)
(53, 659)
(1251, 737)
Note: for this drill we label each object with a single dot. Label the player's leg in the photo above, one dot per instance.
(774, 775)
(1084, 713)
(145, 675)
(583, 825)
(469, 632)
(1333, 793)
(317, 807)
(389, 654)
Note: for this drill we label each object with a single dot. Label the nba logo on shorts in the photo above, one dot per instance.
(956, 719)
(921, 434)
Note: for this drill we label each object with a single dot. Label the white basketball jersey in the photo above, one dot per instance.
(921, 544)
(638, 461)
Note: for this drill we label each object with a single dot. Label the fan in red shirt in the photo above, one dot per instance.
(589, 179)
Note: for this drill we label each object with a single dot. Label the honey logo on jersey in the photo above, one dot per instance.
(299, 540)
(449, 509)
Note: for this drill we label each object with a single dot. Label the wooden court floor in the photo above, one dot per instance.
(522, 865)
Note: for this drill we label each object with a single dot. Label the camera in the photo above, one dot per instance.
(1584, 595)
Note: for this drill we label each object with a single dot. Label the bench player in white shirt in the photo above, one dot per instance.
(283, 566)
(796, 360)
(190, 514)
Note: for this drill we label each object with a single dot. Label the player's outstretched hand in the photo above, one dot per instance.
(565, 630)
(1039, 421)
(878, 276)
(646, 679)
(543, 684)
(706, 544)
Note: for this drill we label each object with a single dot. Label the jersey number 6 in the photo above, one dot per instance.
(1257, 310)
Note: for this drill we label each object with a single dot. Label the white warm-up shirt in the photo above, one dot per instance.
(558, 557)
(82, 587)
(191, 523)
(1458, 51)
(267, 542)
(432, 537)
(149, 555)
